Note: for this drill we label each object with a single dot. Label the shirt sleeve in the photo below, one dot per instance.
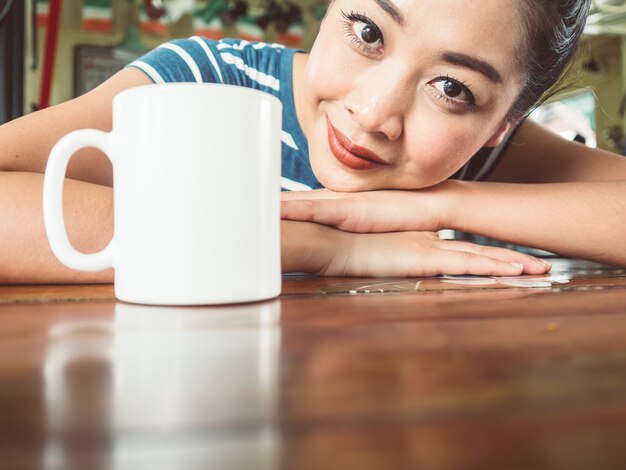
(183, 60)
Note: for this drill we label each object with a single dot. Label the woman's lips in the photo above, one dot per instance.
(350, 154)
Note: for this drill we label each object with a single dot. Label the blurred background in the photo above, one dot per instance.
(54, 50)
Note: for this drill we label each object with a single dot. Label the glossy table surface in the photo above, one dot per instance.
(336, 373)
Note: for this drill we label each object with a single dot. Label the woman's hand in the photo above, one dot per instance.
(368, 212)
(421, 254)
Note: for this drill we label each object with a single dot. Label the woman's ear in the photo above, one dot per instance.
(497, 138)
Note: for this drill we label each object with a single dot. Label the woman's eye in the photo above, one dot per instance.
(363, 32)
(454, 93)
(450, 88)
(368, 33)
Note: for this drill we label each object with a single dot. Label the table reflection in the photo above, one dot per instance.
(151, 372)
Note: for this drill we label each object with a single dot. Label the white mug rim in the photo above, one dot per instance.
(172, 87)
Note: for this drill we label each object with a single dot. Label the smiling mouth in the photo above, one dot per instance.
(351, 155)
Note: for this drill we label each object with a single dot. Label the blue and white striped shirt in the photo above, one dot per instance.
(265, 67)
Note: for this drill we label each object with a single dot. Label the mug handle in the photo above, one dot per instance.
(53, 200)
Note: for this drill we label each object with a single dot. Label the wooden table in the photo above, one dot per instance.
(336, 373)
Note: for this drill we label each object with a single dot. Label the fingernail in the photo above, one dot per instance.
(517, 265)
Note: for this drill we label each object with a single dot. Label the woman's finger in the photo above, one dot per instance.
(531, 264)
(343, 214)
(464, 262)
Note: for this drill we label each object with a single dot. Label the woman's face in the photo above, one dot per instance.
(401, 93)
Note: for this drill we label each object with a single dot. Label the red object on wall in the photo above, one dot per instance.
(154, 12)
(50, 49)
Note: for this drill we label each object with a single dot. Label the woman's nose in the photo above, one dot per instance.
(379, 105)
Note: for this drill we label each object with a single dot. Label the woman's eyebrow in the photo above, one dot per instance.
(473, 63)
(392, 10)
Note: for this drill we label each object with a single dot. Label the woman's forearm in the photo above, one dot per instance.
(25, 255)
(308, 247)
(583, 220)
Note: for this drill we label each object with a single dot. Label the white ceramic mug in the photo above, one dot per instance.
(196, 177)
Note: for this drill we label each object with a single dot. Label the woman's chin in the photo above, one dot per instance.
(339, 181)
(349, 184)
(344, 185)
(333, 180)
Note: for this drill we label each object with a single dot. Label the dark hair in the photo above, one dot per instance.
(552, 31)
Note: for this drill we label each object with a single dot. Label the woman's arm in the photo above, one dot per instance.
(26, 257)
(26, 142)
(581, 220)
(571, 200)
(538, 155)
(578, 209)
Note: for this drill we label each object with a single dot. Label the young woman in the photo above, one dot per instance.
(392, 103)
